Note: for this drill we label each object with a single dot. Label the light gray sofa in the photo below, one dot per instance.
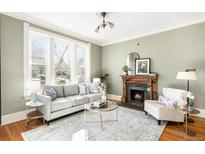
(68, 101)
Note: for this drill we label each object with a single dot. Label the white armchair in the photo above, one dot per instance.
(161, 112)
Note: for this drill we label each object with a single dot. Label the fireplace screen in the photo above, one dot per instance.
(137, 95)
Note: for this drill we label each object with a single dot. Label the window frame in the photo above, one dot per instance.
(49, 56)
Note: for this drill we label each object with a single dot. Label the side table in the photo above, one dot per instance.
(187, 130)
(30, 116)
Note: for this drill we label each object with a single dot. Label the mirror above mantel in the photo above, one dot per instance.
(131, 59)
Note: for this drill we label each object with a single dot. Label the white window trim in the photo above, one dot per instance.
(49, 71)
(26, 57)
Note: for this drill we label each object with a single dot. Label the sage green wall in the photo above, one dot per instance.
(12, 64)
(96, 63)
(170, 52)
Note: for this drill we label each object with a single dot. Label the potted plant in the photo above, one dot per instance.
(104, 76)
(126, 69)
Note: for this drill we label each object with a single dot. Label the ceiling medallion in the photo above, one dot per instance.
(104, 23)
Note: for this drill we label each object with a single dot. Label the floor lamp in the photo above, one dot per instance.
(189, 74)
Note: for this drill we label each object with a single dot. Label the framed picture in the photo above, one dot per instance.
(143, 66)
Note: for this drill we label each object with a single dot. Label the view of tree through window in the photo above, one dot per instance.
(38, 47)
(62, 62)
(80, 64)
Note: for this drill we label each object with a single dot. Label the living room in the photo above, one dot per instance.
(102, 76)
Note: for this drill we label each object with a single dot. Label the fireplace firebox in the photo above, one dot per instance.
(136, 94)
(138, 88)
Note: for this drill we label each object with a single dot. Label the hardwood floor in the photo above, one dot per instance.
(12, 132)
(172, 131)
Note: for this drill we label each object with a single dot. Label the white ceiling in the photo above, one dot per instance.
(127, 25)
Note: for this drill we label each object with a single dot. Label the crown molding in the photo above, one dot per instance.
(44, 24)
(47, 25)
(159, 30)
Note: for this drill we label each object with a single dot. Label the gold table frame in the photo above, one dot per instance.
(101, 111)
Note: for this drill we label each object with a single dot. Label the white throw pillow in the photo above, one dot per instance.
(93, 88)
(167, 102)
(82, 89)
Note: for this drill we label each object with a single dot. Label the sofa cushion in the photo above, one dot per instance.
(57, 88)
(51, 92)
(79, 99)
(94, 97)
(70, 90)
(60, 104)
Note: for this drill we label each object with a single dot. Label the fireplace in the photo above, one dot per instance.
(136, 94)
(137, 88)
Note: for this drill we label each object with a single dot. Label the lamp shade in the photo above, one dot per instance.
(186, 76)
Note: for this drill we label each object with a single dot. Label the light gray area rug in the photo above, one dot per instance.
(132, 125)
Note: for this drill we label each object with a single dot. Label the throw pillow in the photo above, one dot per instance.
(51, 92)
(93, 88)
(82, 89)
(167, 102)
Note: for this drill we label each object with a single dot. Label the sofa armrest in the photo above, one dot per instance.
(43, 98)
(47, 105)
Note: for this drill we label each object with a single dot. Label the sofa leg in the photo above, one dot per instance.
(145, 112)
(159, 122)
(47, 122)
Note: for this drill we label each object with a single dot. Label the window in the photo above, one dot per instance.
(80, 59)
(38, 49)
(53, 59)
(62, 62)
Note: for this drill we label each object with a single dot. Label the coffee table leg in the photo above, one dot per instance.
(85, 114)
(116, 114)
(101, 120)
(186, 124)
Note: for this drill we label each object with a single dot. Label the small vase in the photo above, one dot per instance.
(33, 97)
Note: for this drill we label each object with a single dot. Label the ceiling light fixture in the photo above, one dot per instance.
(104, 23)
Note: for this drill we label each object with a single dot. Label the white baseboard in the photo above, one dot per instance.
(114, 97)
(14, 117)
(201, 114)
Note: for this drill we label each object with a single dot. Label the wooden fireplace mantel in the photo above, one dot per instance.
(150, 80)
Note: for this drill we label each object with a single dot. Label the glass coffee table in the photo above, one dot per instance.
(110, 107)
